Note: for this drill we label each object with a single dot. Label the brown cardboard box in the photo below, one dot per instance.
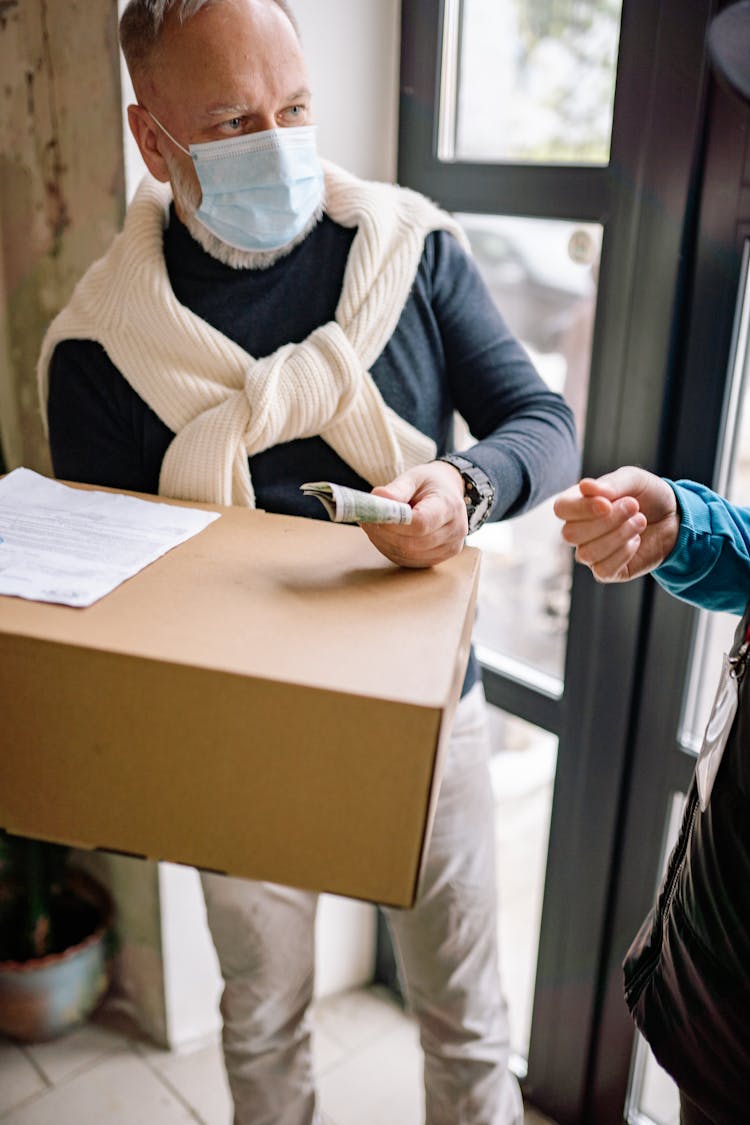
(270, 699)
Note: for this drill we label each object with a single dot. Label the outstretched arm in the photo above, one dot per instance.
(622, 525)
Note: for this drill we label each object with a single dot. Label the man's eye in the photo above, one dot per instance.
(234, 123)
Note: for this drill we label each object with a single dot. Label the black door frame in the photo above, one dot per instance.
(648, 202)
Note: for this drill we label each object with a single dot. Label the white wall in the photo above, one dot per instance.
(345, 933)
(352, 51)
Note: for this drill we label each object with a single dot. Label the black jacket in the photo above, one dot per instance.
(687, 974)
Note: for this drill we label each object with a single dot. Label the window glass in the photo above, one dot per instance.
(529, 81)
(715, 631)
(653, 1096)
(542, 275)
(523, 772)
(659, 1100)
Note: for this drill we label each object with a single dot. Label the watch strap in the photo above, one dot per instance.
(479, 492)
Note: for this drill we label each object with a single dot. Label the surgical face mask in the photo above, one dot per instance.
(260, 190)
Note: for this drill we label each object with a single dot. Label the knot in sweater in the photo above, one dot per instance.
(224, 405)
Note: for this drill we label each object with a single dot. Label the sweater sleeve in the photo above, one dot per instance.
(526, 434)
(100, 431)
(710, 563)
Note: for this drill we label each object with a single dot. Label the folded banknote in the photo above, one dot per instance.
(349, 505)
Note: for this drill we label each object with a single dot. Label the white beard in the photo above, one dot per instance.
(187, 196)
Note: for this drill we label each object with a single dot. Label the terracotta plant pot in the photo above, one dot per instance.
(42, 997)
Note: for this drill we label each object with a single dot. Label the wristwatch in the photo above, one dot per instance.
(479, 493)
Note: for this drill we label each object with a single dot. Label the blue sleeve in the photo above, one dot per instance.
(710, 563)
(526, 439)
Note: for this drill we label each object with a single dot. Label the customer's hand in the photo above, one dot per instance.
(622, 525)
(439, 522)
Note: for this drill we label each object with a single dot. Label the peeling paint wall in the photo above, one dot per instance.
(62, 200)
(61, 184)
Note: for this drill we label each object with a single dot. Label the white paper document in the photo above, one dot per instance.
(73, 546)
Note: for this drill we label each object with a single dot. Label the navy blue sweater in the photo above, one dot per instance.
(451, 351)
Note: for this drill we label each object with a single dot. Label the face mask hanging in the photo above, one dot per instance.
(259, 190)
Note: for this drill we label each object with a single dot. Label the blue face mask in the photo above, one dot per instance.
(259, 190)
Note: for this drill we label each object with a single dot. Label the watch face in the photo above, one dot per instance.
(477, 515)
(478, 491)
(479, 504)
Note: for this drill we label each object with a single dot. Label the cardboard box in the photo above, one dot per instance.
(270, 699)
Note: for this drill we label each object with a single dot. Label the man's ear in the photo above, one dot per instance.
(147, 138)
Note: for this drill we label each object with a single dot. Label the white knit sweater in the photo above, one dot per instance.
(224, 405)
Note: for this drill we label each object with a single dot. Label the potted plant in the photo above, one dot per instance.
(55, 940)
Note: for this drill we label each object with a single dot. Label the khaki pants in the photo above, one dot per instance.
(447, 950)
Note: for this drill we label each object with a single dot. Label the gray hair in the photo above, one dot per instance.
(142, 21)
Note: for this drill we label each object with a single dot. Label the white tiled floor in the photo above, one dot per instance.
(367, 1061)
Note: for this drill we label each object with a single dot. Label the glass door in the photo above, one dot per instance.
(548, 128)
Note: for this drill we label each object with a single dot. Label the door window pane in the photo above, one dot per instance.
(658, 1100)
(523, 771)
(542, 275)
(653, 1096)
(529, 81)
(716, 630)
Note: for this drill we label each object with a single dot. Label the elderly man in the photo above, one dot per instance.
(265, 320)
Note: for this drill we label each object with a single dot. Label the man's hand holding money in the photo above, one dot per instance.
(438, 525)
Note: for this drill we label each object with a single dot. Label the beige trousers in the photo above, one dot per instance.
(447, 950)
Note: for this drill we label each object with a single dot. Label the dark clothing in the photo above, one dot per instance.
(687, 974)
(451, 351)
(691, 1115)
